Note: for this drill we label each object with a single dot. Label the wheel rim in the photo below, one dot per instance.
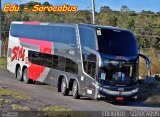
(19, 73)
(63, 86)
(25, 76)
(74, 89)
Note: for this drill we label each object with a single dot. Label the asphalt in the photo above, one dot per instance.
(49, 95)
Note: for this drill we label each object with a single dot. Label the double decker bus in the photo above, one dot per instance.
(90, 60)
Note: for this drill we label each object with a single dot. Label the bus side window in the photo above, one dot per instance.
(69, 36)
(61, 63)
(30, 56)
(88, 39)
(71, 66)
(55, 62)
(47, 60)
(36, 57)
(53, 33)
(91, 69)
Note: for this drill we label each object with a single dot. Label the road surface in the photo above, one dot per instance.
(49, 95)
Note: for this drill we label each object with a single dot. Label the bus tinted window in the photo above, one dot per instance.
(39, 32)
(87, 36)
(71, 66)
(36, 58)
(47, 60)
(117, 42)
(55, 62)
(44, 32)
(61, 63)
(69, 36)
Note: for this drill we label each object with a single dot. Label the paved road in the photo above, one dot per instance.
(49, 95)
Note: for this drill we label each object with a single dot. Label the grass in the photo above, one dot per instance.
(3, 63)
(55, 108)
(19, 107)
(16, 101)
(150, 93)
(153, 100)
(5, 101)
(58, 111)
(17, 95)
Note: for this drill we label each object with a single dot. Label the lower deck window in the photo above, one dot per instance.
(53, 61)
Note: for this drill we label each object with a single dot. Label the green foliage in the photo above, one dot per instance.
(46, 4)
(145, 25)
(3, 63)
(147, 12)
(105, 8)
(29, 4)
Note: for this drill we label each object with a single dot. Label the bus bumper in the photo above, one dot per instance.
(118, 95)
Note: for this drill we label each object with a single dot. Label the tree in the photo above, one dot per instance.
(147, 12)
(107, 18)
(124, 8)
(105, 8)
(158, 13)
(46, 4)
(29, 4)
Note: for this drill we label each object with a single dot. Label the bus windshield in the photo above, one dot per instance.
(118, 72)
(116, 42)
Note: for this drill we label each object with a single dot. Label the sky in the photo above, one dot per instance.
(135, 5)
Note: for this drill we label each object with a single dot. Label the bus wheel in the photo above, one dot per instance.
(25, 76)
(64, 89)
(75, 90)
(19, 74)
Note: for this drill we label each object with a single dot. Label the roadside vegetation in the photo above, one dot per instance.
(61, 112)
(14, 94)
(11, 100)
(144, 24)
(3, 63)
(150, 93)
(155, 63)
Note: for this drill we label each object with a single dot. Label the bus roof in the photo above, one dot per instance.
(70, 24)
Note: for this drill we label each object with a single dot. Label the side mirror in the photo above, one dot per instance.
(147, 63)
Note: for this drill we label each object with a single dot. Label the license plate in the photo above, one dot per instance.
(120, 98)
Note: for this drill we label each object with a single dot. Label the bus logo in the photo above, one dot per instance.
(18, 53)
(120, 89)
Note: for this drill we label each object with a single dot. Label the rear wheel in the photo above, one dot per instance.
(64, 89)
(26, 78)
(75, 90)
(19, 74)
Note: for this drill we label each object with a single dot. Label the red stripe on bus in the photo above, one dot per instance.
(35, 23)
(35, 71)
(45, 46)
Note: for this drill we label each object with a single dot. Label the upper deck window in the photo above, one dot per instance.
(87, 36)
(117, 42)
(61, 34)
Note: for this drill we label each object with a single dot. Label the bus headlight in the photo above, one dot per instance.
(135, 90)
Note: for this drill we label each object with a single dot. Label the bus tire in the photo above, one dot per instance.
(64, 89)
(75, 90)
(19, 74)
(25, 76)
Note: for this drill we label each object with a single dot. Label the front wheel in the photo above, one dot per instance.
(75, 90)
(64, 89)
